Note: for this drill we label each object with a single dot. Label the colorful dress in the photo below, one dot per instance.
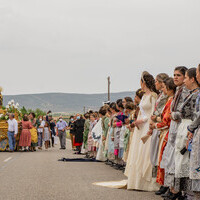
(163, 127)
(129, 134)
(25, 137)
(194, 163)
(101, 145)
(111, 155)
(155, 138)
(90, 141)
(117, 131)
(47, 133)
(168, 158)
(34, 136)
(182, 161)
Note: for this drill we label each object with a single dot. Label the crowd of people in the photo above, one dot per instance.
(35, 132)
(154, 138)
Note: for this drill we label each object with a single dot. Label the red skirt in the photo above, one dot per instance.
(161, 172)
(25, 138)
(77, 144)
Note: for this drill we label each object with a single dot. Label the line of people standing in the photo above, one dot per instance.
(155, 138)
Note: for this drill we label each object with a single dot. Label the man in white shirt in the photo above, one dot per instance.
(41, 124)
(12, 131)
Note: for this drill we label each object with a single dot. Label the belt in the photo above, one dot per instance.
(11, 131)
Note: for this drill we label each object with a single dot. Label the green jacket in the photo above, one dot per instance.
(86, 132)
(105, 127)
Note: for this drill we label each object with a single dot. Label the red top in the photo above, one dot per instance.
(166, 115)
(26, 125)
(119, 123)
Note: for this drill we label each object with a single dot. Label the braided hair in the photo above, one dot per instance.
(150, 82)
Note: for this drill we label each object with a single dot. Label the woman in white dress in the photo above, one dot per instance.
(139, 169)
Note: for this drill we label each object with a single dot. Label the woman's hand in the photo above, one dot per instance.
(187, 144)
(128, 127)
(127, 121)
(152, 125)
(103, 138)
(114, 124)
(138, 122)
(189, 135)
(150, 132)
(153, 117)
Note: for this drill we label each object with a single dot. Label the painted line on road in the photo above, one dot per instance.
(6, 160)
(8, 163)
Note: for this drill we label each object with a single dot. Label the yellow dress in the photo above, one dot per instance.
(34, 137)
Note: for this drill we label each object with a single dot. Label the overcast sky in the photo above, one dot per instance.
(73, 45)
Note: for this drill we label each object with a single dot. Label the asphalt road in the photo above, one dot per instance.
(39, 175)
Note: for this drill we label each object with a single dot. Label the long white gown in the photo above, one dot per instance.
(139, 167)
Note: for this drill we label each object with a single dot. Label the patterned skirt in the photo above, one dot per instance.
(195, 162)
(25, 138)
(161, 172)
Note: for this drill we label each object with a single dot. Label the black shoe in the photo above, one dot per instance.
(175, 196)
(167, 194)
(162, 190)
(109, 163)
(116, 166)
(182, 198)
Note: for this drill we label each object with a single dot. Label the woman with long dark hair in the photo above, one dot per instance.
(159, 106)
(139, 170)
(168, 158)
(34, 136)
(162, 125)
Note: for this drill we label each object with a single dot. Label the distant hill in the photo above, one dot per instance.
(64, 102)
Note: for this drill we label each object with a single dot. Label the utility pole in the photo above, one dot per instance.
(109, 88)
(84, 110)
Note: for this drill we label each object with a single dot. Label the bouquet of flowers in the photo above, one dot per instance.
(11, 108)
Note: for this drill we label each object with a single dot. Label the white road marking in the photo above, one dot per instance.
(6, 160)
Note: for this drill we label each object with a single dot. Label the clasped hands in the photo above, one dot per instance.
(189, 136)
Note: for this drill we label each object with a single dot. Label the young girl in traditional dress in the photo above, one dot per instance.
(91, 148)
(114, 111)
(46, 135)
(130, 111)
(133, 117)
(117, 130)
(86, 131)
